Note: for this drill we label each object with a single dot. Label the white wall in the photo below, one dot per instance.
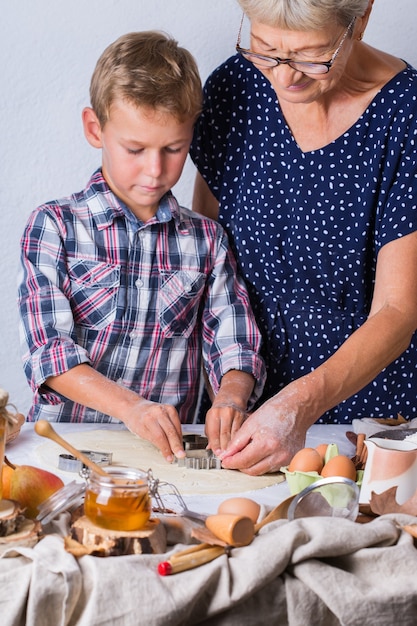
(48, 49)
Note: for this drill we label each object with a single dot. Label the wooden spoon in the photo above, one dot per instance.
(279, 512)
(44, 429)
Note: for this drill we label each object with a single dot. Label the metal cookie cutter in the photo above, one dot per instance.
(196, 454)
(68, 463)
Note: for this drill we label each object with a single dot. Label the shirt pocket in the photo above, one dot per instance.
(94, 290)
(179, 299)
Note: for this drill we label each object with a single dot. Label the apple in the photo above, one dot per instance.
(28, 485)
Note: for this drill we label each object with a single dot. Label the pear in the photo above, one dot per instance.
(29, 486)
(6, 476)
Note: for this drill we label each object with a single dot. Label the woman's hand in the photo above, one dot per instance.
(268, 439)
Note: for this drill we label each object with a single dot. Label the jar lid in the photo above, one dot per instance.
(69, 496)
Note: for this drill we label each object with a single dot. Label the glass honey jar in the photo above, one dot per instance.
(119, 500)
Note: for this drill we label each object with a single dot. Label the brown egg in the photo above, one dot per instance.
(306, 460)
(321, 449)
(244, 507)
(339, 465)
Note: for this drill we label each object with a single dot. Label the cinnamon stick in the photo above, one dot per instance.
(188, 559)
(363, 457)
(360, 444)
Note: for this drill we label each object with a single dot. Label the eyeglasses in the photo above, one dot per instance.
(307, 67)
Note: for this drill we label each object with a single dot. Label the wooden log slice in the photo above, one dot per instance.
(10, 516)
(27, 535)
(86, 538)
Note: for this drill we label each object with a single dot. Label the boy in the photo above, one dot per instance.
(123, 291)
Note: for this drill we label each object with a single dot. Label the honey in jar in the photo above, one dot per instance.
(118, 501)
(4, 417)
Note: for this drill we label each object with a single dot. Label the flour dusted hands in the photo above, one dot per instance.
(269, 438)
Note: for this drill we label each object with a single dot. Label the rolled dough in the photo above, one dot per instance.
(128, 449)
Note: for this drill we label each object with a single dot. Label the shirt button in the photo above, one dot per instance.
(139, 283)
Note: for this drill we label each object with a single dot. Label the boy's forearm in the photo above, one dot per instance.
(236, 388)
(159, 423)
(84, 385)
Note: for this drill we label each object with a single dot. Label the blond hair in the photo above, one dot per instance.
(303, 14)
(147, 69)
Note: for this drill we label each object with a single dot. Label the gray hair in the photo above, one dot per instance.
(303, 14)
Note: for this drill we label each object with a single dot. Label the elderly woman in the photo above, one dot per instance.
(306, 152)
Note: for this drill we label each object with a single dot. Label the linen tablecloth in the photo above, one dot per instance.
(311, 571)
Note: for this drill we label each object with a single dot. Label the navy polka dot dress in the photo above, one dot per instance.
(307, 227)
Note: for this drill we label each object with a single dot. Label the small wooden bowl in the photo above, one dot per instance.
(13, 431)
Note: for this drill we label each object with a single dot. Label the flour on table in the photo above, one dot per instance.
(128, 449)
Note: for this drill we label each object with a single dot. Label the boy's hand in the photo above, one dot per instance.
(159, 424)
(222, 423)
(228, 412)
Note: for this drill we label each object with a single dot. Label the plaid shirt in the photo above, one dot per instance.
(140, 302)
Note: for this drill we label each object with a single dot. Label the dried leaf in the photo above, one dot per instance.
(385, 502)
(75, 548)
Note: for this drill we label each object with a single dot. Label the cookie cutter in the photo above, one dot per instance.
(69, 463)
(196, 454)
